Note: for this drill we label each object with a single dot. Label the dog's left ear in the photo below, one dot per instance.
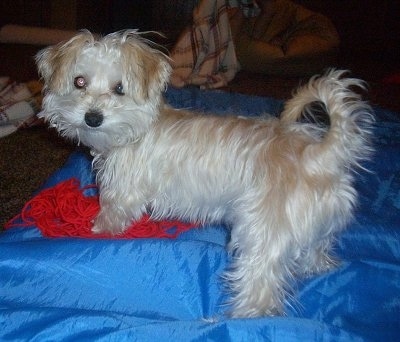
(146, 70)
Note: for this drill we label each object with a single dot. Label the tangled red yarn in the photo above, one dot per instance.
(64, 211)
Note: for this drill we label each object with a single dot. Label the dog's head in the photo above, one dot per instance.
(103, 92)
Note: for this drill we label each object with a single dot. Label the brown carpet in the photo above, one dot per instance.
(27, 158)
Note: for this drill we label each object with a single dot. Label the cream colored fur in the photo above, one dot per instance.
(283, 187)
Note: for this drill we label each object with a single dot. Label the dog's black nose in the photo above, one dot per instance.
(94, 118)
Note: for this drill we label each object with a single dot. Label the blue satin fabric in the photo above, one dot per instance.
(170, 290)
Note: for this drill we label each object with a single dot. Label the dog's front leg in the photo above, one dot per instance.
(121, 203)
(123, 190)
(117, 214)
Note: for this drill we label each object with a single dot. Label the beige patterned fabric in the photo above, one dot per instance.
(204, 54)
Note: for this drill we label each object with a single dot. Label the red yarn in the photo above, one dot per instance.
(64, 210)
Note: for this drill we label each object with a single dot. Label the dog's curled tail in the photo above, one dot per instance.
(329, 109)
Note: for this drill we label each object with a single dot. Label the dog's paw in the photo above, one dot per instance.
(106, 224)
(98, 229)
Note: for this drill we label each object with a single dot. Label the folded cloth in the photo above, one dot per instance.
(16, 113)
(19, 104)
(14, 92)
(204, 54)
(7, 130)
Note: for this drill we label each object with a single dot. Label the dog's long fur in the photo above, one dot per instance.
(283, 186)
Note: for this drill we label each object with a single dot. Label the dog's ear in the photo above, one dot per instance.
(55, 63)
(146, 70)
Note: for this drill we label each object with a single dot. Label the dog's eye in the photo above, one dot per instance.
(79, 82)
(119, 89)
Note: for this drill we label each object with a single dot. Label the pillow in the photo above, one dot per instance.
(285, 39)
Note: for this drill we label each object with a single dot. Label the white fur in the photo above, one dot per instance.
(284, 187)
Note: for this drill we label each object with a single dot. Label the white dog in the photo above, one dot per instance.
(283, 186)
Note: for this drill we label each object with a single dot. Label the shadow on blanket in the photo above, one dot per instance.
(147, 289)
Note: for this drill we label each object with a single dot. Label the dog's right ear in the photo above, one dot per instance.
(55, 63)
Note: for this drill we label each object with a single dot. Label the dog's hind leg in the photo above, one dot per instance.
(262, 260)
(316, 259)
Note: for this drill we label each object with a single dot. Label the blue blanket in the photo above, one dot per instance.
(170, 290)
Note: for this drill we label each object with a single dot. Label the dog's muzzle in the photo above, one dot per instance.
(94, 118)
